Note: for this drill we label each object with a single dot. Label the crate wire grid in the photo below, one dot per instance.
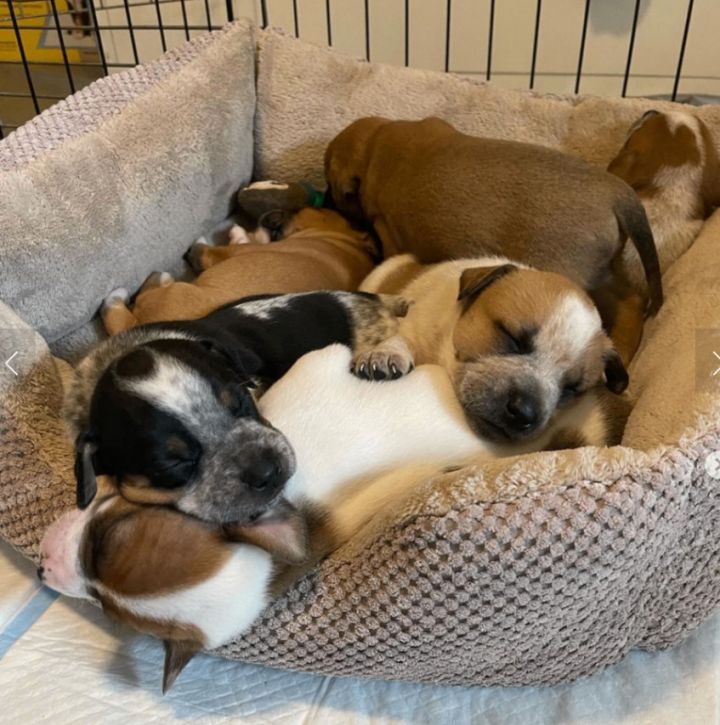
(84, 14)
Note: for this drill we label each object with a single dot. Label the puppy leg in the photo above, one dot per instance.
(155, 280)
(202, 256)
(238, 235)
(389, 360)
(115, 313)
(627, 327)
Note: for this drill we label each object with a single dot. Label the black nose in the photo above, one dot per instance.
(40, 572)
(263, 473)
(522, 410)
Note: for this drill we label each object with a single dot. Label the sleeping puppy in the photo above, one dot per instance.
(319, 250)
(670, 160)
(429, 190)
(525, 349)
(166, 410)
(360, 447)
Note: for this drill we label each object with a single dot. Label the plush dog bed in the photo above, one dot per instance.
(528, 570)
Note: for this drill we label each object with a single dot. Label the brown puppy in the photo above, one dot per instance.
(670, 160)
(524, 348)
(440, 194)
(319, 250)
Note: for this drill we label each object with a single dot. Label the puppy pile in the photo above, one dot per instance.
(237, 428)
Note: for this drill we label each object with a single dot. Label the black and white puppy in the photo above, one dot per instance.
(166, 411)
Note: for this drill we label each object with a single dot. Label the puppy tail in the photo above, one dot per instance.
(633, 223)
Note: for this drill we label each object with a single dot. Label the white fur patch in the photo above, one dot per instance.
(262, 309)
(268, 184)
(220, 607)
(321, 408)
(569, 329)
(174, 388)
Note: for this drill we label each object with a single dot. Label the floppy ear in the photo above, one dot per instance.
(275, 220)
(85, 475)
(616, 376)
(244, 360)
(282, 532)
(474, 281)
(178, 652)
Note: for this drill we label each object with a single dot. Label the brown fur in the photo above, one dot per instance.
(320, 250)
(130, 549)
(440, 194)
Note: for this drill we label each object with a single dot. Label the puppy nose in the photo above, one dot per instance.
(262, 474)
(40, 572)
(522, 410)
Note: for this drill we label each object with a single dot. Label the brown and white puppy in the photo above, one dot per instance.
(670, 160)
(360, 448)
(525, 348)
(319, 250)
(440, 194)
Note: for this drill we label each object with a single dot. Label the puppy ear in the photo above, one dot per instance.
(85, 475)
(244, 360)
(616, 376)
(178, 652)
(282, 532)
(474, 281)
(274, 221)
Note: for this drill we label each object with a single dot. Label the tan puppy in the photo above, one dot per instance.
(670, 160)
(320, 250)
(428, 189)
(525, 349)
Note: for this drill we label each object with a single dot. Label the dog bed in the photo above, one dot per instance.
(529, 570)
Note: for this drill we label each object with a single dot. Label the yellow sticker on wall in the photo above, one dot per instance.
(39, 34)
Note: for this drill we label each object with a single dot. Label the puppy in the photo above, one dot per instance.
(525, 349)
(258, 203)
(440, 194)
(361, 448)
(319, 250)
(166, 410)
(670, 160)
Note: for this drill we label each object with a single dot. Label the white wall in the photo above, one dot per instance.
(657, 42)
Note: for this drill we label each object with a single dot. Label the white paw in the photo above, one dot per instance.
(165, 279)
(202, 241)
(117, 298)
(238, 235)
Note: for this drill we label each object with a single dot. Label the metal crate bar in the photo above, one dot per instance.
(536, 38)
(24, 61)
(631, 47)
(61, 40)
(583, 38)
(678, 73)
(491, 28)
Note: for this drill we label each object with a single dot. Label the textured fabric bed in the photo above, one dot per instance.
(522, 571)
(63, 660)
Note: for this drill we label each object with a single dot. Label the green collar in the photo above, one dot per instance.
(315, 198)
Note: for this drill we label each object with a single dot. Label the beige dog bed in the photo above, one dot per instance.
(529, 570)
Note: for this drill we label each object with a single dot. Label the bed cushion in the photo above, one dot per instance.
(122, 177)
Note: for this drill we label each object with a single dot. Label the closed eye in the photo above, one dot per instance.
(570, 391)
(515, 343)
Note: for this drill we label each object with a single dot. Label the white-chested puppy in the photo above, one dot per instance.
(525, 349)
(360, 447)
(670, 160)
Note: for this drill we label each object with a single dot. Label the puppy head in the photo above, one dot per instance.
(346, 163)
(666, 150)
(166, 574)
(172, 421)
(526, 345)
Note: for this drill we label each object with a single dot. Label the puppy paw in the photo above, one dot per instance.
(389, 361)
(238, 235)
(194, 255)
(119, 297)
(157, 279)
